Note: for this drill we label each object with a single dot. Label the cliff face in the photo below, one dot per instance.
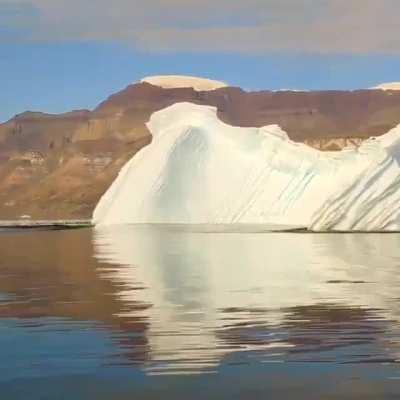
(58, 166)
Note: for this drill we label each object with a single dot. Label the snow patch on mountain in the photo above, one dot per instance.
(200, 170)
(388, 86)
(180, 81)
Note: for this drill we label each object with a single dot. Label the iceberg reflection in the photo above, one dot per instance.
(280, 296)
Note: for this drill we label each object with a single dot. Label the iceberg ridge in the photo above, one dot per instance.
(200, 170)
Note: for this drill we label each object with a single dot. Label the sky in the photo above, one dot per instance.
(59, 55)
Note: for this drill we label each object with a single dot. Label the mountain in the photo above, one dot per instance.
(58, 166)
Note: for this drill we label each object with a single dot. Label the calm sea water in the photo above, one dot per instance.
(163, 312)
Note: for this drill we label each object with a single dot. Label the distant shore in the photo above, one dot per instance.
(45, 224)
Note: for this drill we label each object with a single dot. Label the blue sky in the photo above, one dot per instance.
(58, 55)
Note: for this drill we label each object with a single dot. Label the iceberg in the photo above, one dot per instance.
(200, 170)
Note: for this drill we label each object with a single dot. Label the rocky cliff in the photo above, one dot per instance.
(58, 166)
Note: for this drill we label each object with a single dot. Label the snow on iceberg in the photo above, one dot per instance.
(200, 170)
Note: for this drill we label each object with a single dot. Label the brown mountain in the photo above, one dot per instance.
(57, 166)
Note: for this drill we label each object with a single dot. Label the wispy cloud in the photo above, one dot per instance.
(17, 20)
(254, 26)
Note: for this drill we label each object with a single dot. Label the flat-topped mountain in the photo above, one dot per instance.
(58, 166)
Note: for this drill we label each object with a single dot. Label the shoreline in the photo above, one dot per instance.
(197, 228)
(45, 224)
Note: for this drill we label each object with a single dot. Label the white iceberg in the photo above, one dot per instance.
(199, 170)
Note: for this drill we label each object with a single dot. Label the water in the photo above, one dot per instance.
(150, 312)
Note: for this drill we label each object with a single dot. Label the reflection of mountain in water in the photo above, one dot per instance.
(49, 280)
(210, 295)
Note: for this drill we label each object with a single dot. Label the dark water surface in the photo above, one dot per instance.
(155, 312)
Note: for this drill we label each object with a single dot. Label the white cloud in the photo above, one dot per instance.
(255, 26)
